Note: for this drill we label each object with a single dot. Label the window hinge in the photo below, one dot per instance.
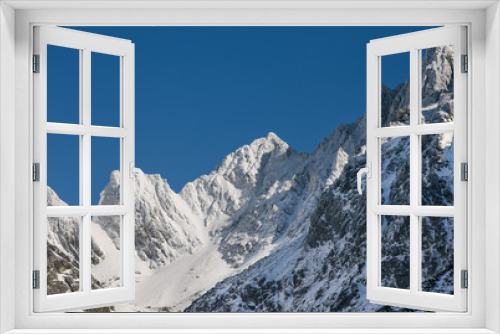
(36, 279)
(465, 63)
(36, 63)
(36, 172)
(464, 171)
(465, 279)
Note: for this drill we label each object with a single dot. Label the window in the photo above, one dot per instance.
(411, 208)
(482, 315)
(75, 138)
(396, 274)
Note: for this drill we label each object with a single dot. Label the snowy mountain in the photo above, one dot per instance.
(164, 228)
(322, 268)
(272, 229)
(63, 258)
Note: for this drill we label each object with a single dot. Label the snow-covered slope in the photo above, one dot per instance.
(220, 223)
(165, 228)
(63, 251)
(251, 204)
(272, 229)
(323, 268)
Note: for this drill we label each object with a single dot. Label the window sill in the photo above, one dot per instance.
(251, 331)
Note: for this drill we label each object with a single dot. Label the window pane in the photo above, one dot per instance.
(63, 169)
(395, 253)
(437, 84)
(63, 85)
(106, 257)
(105, 90)
(395, 99)
(437, 169)
(437, 254)
(395, 171)
(105, 171)
(63, 255)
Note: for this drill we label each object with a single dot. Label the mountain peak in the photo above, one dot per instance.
(272, 136)
(114, 178)
(53, 198)
(271, 141)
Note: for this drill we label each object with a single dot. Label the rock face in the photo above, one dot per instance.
(275, 230)
(164, 229)
(63, 251)
(322, 267)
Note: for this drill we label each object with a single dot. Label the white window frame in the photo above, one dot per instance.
(414, 43)
(483, 21)
(86, 44)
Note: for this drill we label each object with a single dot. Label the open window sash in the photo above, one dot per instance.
(84, 295)
(414, 297)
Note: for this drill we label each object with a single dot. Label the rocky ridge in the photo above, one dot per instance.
(285, 230)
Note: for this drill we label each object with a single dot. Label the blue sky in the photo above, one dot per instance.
(202, 92)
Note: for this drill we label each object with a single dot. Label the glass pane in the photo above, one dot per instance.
(106, 254)
(63, 255)
(105, 171)
(395, 99)
(437, 169)
(437, 254)
(395, 171)
(105, 90)
(395, 232)
(63, 85)
(63, 170)
(437, 84)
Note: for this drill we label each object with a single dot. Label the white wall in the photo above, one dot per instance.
(492, 163)
(251, 17)
(7, 162)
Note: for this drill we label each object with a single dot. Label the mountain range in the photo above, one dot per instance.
(276, 230)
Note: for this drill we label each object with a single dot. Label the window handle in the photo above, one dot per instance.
(138, 171)
(368, 171)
